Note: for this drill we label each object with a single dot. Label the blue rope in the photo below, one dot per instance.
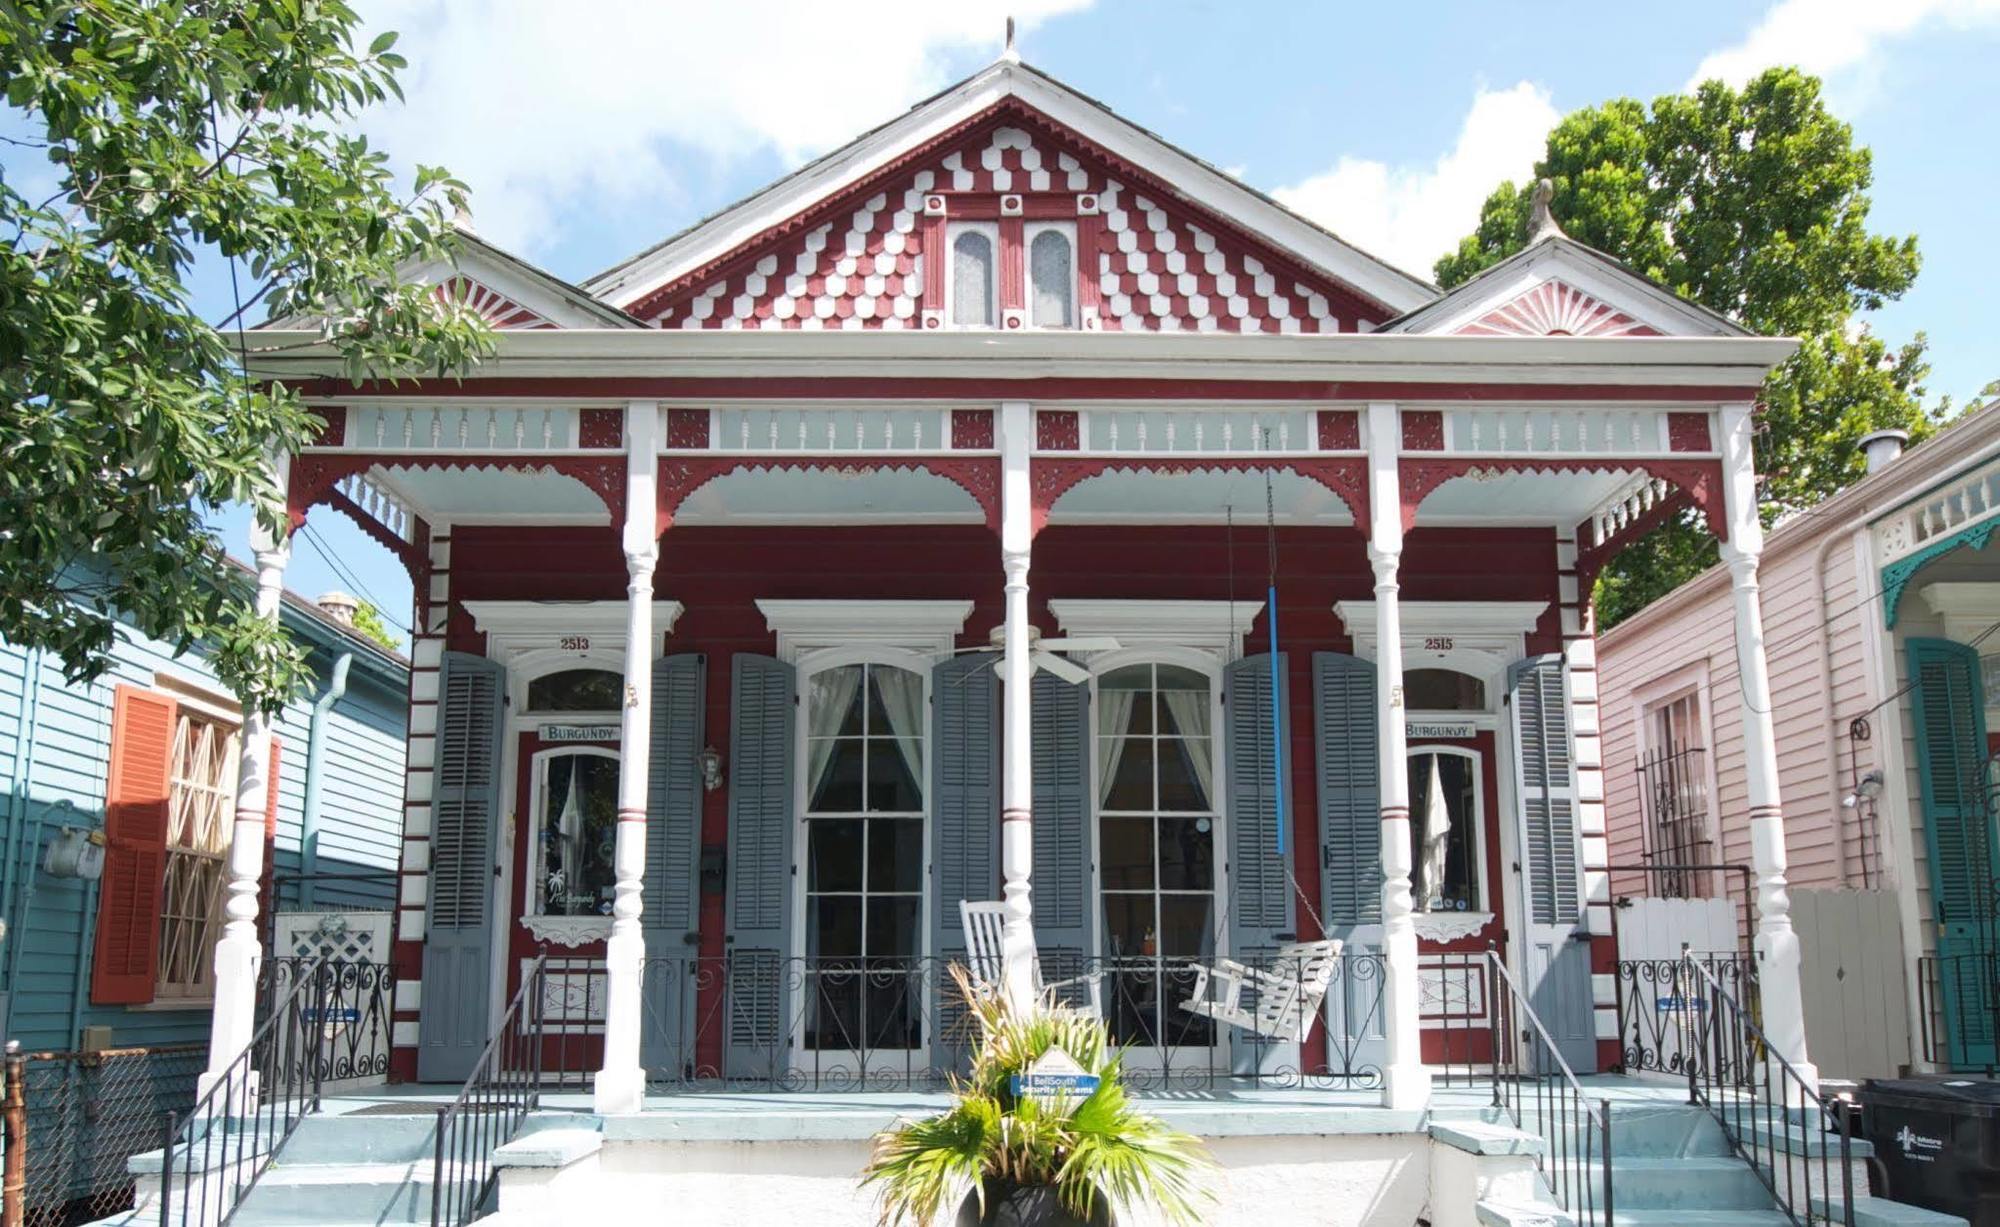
(1277, 717)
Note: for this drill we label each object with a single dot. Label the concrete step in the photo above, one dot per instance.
(1486, 1138)
(1699, 1218)
(360, 1139)
(1684, 1183)
(1644, 1131)
(369, 1193)
(1522, 1214)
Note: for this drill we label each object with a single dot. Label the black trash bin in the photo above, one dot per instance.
(1939, 1142)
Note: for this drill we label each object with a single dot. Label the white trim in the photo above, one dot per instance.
(1444, 926)
(927, 628)
(1967, 607)
(575, 929)
(195, 695)
(1217, 628)
(1095, 123)
(521, 633)
(1484, 637)
(1450, 926)
(1568, 262)
(571, 931)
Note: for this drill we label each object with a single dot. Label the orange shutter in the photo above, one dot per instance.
(125, 962)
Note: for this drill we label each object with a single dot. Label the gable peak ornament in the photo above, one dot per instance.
(1541, 221)
(1009, 54)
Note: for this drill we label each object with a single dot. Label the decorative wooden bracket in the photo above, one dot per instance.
(1699, 480)
(1050, 477)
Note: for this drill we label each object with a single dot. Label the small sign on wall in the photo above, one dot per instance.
(558, 733)
(1439, 730)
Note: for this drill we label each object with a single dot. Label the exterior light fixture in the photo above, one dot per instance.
(710, 763)
(1867, 788)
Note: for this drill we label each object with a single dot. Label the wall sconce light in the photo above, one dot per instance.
(710, 763)
(1868, 788)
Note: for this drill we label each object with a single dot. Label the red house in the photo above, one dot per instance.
(1011, 506)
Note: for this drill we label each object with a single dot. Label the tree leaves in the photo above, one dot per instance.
(1754, 204)
(176, 133)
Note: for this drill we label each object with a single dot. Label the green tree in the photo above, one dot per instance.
(1754, 204)
(370, 622)
(146, 138)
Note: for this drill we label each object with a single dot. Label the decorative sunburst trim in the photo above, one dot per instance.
(494, 307)
(1555, 309)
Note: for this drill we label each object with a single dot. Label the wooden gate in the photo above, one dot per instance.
(1856, 999)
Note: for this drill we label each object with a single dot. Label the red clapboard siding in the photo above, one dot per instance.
(124, 961)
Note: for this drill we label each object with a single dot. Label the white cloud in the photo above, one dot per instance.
(543, 105)
(1411, 214)
(1825, 37)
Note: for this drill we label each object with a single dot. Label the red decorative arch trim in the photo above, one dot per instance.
(681, 476)
(1049, 478)
(1700, 480)
(316, 474)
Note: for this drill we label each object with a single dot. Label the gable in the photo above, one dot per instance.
(1556, 309)
(489, 304)
(1147, 260)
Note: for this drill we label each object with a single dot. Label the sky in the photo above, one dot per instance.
(590, 129)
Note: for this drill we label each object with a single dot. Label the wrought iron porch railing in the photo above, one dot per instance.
(1796, 1140)
(853, 1024)
(505, 1085)
(1660, 1010)
(322, 1021)
(1958, 1014)
(1493, 1037)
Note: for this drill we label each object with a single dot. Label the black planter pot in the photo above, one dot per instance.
(1028, 1205)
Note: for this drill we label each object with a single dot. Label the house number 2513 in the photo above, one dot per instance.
(574, 643)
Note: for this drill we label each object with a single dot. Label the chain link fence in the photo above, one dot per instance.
(89, 1112)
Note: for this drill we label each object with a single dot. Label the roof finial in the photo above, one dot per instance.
(1010, 55)
(461, 218)
(1541, 222)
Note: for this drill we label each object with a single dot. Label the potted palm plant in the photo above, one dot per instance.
(1004, 1156)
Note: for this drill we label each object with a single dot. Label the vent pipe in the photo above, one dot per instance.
(1883, 447)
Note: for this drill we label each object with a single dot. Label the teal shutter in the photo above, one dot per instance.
(1259, 888)
(465, 809)
(758, 906)
(1949, 706)
(965, 812)
(1348, 789)
(1557, 958)
(1062, 814)
(673, 841)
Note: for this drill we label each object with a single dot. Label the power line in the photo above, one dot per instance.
(348, 577)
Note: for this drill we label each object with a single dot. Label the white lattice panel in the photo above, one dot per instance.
(351, 937)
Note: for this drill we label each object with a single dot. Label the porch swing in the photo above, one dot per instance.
(1278, 1001)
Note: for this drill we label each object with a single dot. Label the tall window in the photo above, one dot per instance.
(575, 874)
(1444, 832)
(200, 815)
(974, 287)
(1673, 776)
(1156, 834)
(1051, 279)
(864, 856)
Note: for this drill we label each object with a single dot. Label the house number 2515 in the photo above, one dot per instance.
(574, 643)
(1438, 643)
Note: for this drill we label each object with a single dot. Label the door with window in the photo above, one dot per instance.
(1157, 820)
(565, 839)
(864, 851)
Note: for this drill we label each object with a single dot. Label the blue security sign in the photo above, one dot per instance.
(1679, 1005)
(345, 1014)
(1054, 1080)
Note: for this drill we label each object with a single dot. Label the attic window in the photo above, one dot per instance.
(1052, 277)
(974, 284)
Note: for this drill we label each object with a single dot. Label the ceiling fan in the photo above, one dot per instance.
(1042, 653)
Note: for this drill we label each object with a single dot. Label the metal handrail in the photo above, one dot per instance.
(496, 1097)
(241, 1109)
(1734, 1084)
(1582, 1127)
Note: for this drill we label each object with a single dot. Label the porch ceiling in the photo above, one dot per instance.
(470, 496)
(1563, 499)
(1197, 498)
(820, 496)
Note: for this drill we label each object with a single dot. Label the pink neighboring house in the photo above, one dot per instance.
(1880, 608)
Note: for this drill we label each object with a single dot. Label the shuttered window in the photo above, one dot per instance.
(200, 818)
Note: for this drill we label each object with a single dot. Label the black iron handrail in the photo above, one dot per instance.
(252, 1106)
(1775, 1119)
(504, 1086)
(1527, 1069)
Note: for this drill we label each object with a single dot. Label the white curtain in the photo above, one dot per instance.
(1114, 717)
(832, 694)
(1437, 842)
(903, 699)
(1189, 711)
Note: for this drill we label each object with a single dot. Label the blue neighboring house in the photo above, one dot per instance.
(142, 762)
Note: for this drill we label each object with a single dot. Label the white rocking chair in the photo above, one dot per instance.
(1279, 1001)
(983, 923)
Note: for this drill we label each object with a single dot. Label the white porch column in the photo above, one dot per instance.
(1017, 779)
(1777, 943)
(1405, 1083)
(238, 953)
(621, 1084)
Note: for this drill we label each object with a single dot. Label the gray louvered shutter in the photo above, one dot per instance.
(1557, 959)
(965, 812)
(1350, 790)
(673, 841)
(758, 907)
(1062, 814)
(1259, 889)
(465, 808)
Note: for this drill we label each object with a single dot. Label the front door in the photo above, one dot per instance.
(1949, 706)
(1456, 886)
(1553, 957)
